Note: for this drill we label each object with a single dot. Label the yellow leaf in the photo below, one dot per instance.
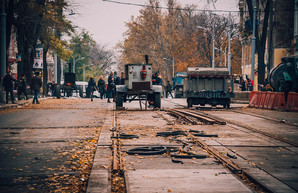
(169, 190)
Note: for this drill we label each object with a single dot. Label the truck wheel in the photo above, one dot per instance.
(228, 103)
(157, 100)
(80, 92)
(189, 102)
(119, 100)
(69, 93)
(282, 84)
(58, 92)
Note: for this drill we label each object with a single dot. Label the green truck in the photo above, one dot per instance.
(284, 77)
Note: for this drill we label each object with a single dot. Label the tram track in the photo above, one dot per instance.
(211, 119)
(117, 174)
(237, 170)
(241, 173)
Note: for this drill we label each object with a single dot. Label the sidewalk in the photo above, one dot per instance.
(20, 102)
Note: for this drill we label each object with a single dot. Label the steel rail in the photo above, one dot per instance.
(273, 136)
(237, 170)
(183, 116)
(198, 115)
(263, 117)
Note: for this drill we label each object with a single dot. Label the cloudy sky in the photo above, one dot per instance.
(105, 21)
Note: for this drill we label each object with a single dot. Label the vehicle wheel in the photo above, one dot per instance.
(283, 85)
(119, 99)
(69, 93)
(58, 92)
(80, 92)
(157, 100)
(189, 102)
(228, 104)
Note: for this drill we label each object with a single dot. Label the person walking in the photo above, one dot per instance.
(101, 84)
(35, 86)
(122, 78)
(22, 88)
(249, 84)
(243, 85)
(92, 87)
(111, 86)
(8, 85)
(168, 89)
(117, 79)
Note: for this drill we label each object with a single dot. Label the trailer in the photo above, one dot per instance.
(138, 86)
(213, 86)
(178, 84)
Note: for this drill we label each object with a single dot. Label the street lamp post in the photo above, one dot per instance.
(213, 45)
(253, 42)
(229, 52)
(84, 72)
(2, 48)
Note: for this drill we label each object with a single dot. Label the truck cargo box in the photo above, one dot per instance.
(212, 86)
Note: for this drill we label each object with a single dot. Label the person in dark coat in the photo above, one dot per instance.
(111, 86)
(122, 78)
(53, 88)
(22, 88)
(168, 89)
(35, 86)
(117, 79)
(101, 86)
(8, 85)
(243, 85)
(92, 87)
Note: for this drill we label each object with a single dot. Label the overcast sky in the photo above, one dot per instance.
(105, 21)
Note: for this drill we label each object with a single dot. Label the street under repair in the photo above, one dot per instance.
(95, 147)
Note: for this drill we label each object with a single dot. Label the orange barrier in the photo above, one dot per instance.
(279, 102)
(270, 100)
(252, 98)
(292, 102)
(273, 100)
(263, 96)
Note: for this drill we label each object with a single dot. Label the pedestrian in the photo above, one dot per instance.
(242, 86)
(168, 89)
(92, 87)
(101, 86)
(22, 88)
(111, 86)
(249, 84)
(8, 85)
(122, 78)
(117, 79)
(53, 88)
(35, 86)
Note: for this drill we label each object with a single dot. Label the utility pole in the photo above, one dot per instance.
(213, 46)
(229, 54)
(173, 61)
(2, 48)
(253, 44)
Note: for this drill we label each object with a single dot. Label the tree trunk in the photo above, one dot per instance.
(45, 71)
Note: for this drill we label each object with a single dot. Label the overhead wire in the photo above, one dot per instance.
(183, 9)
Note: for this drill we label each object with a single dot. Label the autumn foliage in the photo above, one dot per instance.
(180, 33)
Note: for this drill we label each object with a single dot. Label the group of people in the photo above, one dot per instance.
(246, 85)
(110, 92)
(8, 85)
